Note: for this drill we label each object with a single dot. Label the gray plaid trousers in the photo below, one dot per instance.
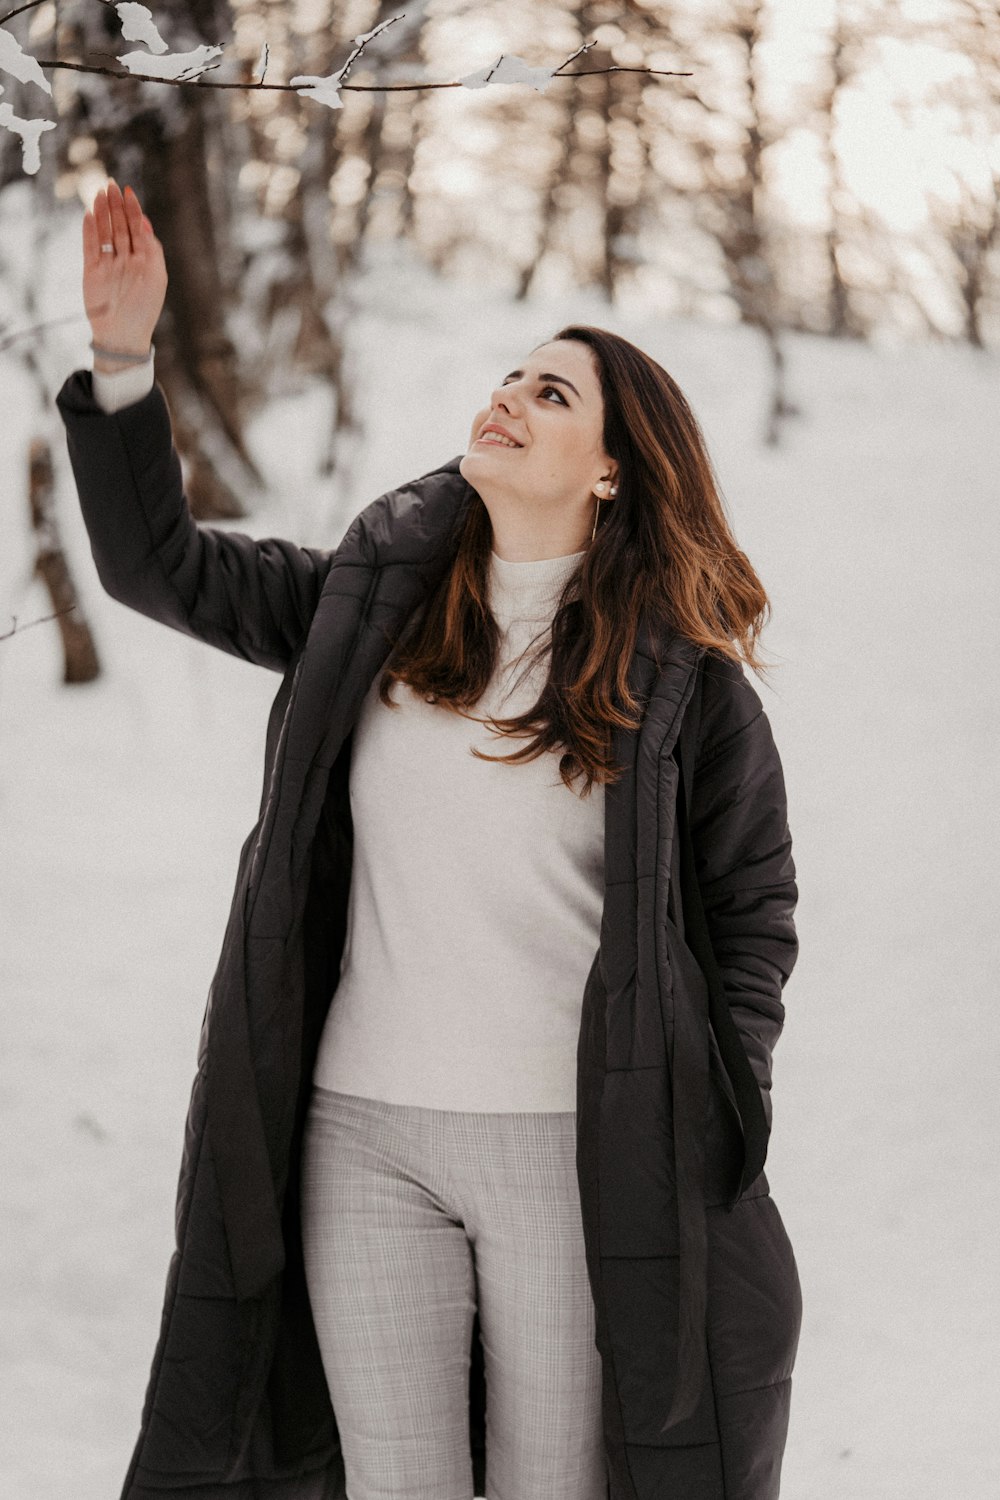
(411, 1216)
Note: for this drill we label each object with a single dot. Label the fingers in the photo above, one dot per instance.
(121, 238)
(91, 246)
(102, 219)
(116, 219)
(134, 216)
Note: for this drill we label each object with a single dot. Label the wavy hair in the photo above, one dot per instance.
(663, 549)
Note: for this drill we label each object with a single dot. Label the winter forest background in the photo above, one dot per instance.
(803, 225)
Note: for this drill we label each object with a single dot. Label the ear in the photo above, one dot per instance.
(609, 470)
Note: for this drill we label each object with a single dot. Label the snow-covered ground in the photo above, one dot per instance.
(123, 805)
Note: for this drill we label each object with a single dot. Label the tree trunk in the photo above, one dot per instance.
(80, 663)
(158, 139)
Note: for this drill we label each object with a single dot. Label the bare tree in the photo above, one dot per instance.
(846, 52)
(725, 127)
(969, 230)
(969, 222)
(163, 141)
(80, 663)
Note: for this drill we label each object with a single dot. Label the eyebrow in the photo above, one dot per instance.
(559, 379)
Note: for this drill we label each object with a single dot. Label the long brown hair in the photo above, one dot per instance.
(663, 549)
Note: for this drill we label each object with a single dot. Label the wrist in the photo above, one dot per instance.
(109, 358)
(131, 342)
(115, 367)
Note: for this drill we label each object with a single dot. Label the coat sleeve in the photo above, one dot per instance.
(252, 598)
(743, 858)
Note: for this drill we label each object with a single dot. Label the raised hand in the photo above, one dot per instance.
(124, 286)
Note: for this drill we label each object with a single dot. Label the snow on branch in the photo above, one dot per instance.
(30, 132)
(20, 64)
(185, 69)
(327, 90)
(514, 69)
(173, 66)
(138, 25)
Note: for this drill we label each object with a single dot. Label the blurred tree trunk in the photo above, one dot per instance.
(735, 199)
(80, 663)
(196, 361)
(389, 140)
(966, 253)
(549, 201)
(969, 224)
(158, 139)
(51, 566)
(597, 92)
(844, 56)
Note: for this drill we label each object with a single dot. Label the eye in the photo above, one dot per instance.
(543, 391)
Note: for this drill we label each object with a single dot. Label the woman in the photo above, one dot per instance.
(474, 1137)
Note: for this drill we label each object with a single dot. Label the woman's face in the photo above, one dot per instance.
(540, 494)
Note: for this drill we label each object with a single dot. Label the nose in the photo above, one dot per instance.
(504, 398)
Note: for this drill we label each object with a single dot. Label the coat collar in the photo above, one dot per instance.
(414, 529)
(393, 553)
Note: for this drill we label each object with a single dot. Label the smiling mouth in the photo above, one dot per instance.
(489, 442)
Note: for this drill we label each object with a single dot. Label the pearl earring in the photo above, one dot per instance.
(613, 490)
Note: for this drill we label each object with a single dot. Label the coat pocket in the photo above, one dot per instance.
(641, 1297)
(754, 1297)
(724, 1132)
(190, 1420)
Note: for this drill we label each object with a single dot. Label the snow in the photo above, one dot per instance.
(21, 64)
(138, 25)
(188, 65)
(325, 90)
(30, 132)
(124, 803)
(509, 69)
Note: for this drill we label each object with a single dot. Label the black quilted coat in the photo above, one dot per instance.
(237, 1407)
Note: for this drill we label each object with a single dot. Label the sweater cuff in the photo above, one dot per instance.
(112, 392)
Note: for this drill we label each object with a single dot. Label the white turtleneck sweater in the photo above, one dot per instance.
(476, 888)
(476, 894)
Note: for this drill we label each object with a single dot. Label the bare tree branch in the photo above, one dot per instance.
(364, 88)
(20, 11)
(8, 339)
(361, 88)
(42, 618)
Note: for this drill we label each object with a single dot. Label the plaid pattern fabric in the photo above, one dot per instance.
(411, 1217)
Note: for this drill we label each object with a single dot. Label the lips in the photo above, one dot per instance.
(495, 427)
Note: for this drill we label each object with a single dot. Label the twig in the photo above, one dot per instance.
(40, 621)
(586, 47)
(369, 37)
(20, 10)
(12, 338)
(31, 6)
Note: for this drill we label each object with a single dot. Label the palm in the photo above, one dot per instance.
(123, 290)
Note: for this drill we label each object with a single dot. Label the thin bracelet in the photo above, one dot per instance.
(122, 358)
